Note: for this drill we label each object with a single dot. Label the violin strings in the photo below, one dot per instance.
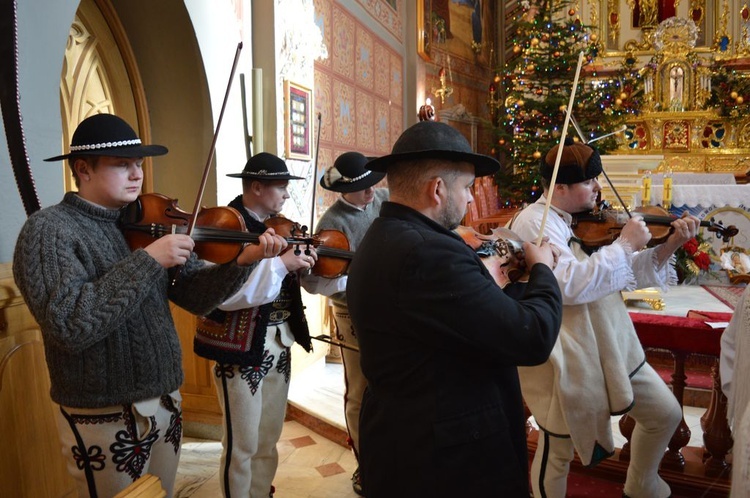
(208, 234)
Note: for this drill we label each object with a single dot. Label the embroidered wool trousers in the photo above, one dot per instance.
(355, 382)
(656, 413)
(253, 400)
(108, 448)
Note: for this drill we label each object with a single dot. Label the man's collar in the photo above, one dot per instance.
(353, 205)
(565, 215)
(255, 215)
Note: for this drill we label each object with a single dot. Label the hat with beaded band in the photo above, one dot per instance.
(265, 166)
(349, 174)
(108, 135)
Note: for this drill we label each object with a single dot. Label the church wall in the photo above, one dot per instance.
(359, 88)
(43, 30)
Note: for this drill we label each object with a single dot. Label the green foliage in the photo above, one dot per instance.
(537, 85)
(730, 92)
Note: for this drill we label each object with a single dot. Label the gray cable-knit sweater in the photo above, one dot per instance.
(103, 310)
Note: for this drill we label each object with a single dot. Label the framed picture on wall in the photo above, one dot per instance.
(424, 29)
(297, 121)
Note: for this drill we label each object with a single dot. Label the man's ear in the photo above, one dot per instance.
(436, 189)
(256, 188)
(82, 169)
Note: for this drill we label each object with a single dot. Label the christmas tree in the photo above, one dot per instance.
(532, 96)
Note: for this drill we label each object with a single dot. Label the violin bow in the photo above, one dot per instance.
(315, 176)
(212, 150)
(583, 139)
(568, 114)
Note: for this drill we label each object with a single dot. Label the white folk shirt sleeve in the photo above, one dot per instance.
(612, 268)
(322, 285)
(261, 287)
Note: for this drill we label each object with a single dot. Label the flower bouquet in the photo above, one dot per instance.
(693, 259)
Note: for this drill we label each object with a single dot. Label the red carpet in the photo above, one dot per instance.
(580, 486)
(727, 294)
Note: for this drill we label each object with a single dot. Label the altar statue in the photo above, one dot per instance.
(676, 81)
(649, 13)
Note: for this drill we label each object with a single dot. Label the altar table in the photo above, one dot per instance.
(691, 322)
(672, 328)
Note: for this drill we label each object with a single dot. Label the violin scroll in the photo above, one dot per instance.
(717, 227)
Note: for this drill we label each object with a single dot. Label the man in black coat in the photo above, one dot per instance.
(440, 340)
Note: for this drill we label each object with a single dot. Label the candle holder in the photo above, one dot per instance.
(444, 91)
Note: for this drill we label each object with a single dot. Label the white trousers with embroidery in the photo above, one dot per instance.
(108, 448)
(656, 413)
(253, 401)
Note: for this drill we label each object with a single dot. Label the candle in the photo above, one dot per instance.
(667, 195)
(647, 189)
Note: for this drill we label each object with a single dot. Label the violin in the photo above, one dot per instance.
(332, 246)
(602, 225)
(501, 252)
(220, 232)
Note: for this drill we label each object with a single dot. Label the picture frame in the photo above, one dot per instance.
(424, 29)
(298, 104)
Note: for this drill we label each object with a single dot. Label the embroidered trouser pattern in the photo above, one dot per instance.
(253, 400)
(355, 382)
(656, 413)
(108, 448)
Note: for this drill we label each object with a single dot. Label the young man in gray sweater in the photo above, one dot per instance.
(112, 350)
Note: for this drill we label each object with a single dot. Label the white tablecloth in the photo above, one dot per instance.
(680, 299)
(695, 179)
(704, 195)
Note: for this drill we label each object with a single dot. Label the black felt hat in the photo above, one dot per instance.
(108, 135)
(265, 166)
(349, 174)
(579, 162)
(434, 140)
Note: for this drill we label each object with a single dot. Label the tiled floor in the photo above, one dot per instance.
(311, 466)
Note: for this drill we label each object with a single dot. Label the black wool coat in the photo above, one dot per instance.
(440, 343)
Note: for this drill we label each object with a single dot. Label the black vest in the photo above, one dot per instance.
(218, 324)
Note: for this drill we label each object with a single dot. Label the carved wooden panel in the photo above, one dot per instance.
(99, 75)
(32, 460)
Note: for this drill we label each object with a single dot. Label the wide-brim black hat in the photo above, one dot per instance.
(108, 135)
(265, 166)
(349, 174)
(434, 140)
